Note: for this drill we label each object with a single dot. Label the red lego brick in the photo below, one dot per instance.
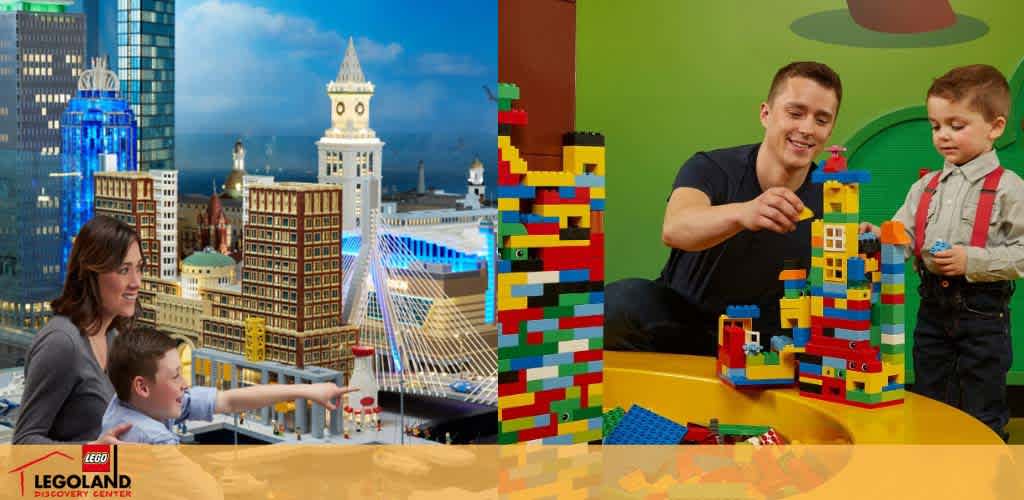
(828, 301)
(848, 324)
(537, 229)
(830, 384)
(587, 378)
(584, 356)
(505, 175)
(549, 430)
(584, 396)
(514, 317)
(858, 305)
(512, 117)
(535, 338)
(581, 321)
(893, 298)
(517, 387)
(869, 366)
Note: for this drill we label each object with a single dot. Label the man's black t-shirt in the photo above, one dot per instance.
(743, 269)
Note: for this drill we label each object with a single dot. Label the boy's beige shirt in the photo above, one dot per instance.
(952, 212)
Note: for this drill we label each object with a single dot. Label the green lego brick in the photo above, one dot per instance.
(742, 430)
(559, 312)
(587, 436)
(508, 253)
(840, 218)
(862, 397)
(891, 314)
(570, 369)
(817, 276)
(535, 386)
(755, 360)
(573, 392)
(565, 406)
(792, 294)
(771, 358)
(597, 343)
(508, 438)
(504, 104)
(504, 365)
(523, 351)
(596, 400)
(508, 91)
(893, 349)
(573, 299)
(892, 395)
(558, 335)
(876, 335)
(511, 229)
(516, 424)
(586, 413)
(841, 373)
(817, 252)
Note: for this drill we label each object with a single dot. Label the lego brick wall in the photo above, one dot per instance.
(691, 75)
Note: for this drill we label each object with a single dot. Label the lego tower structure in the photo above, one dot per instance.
(550, 289)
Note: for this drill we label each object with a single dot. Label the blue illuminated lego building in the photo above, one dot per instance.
(99, 134)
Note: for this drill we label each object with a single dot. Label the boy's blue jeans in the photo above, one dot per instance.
(962, 348)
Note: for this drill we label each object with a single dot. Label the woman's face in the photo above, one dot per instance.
(119, 289)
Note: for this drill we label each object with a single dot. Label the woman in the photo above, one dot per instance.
(66, 386)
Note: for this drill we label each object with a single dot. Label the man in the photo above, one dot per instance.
(732, 221)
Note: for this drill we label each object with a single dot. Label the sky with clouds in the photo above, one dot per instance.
(260, 67)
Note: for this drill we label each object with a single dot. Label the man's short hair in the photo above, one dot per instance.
(134, 353)
(983, 86)
(818, 72)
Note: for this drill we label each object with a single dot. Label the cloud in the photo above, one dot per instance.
(242, 68)
(436, 63)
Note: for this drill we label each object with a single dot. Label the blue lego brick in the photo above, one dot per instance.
(597, 204)
(838, 363)
(595, 366)
(842, 333)
(590, 180)
(595, 423)
(850, 314)
(810, 369)
(567, 192)
(520, 192)
(892, 387)
(588, 309)
(504, 266)
(741, 381)
(939, 246)
(508, 340)
(535, 290)
(794, 284)
(752, 312)
(564, 439)
(801, 336)
(855, 267)
(574, 275)
(526, 363)
(561, 358)
(847, 177)
(590, 332)
(541, 325)
(642, 426)
(817, 291)
(833, 290)
(736, 372)
(893, 279)
(893, 328)
(867, 237)
(597, 297)
(542, 420)
(537, 219)
(557, 383)
(892, 268)
(780, 341)
(893, 253)
(510, 217)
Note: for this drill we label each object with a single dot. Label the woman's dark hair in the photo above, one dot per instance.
(100, 247)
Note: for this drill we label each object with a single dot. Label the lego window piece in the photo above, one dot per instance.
(835, 269)
(835, 238)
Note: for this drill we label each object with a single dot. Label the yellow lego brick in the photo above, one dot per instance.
(516, 400)
(894, 359)
(852, 199)
(892, 395)
(834, 197)
(597, 193)
(818, 262)
(889, 289)
(516, 424)
(506, 280)
(805, 380)
(852, 234)
(818, 228)
(573, 427)
(596, 389)
(544, 241)
(871, 266)
(828, 371)
(511, 303)
(840, 304)
(575, 160)
(561, 179)
(858, 294)
(873, 382)
(588, 436)
(509, 204)
(817, 306)
(795, 312)
(787, 357)
(563, 212)
(763, 372)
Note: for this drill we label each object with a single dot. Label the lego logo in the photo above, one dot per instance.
(95, 458)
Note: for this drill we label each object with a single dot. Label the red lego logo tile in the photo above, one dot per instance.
(96, 458)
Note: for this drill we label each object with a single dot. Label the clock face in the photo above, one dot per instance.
(340, 108)
(360, 108)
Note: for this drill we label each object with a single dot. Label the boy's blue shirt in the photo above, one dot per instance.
(197, 404)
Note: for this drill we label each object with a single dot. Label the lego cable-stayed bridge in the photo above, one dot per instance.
(422, 340)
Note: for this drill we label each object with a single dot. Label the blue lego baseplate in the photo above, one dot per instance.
(642, 426)
(752, 312)
(939, 246)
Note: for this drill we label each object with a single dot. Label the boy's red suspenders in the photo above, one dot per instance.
(982, 216)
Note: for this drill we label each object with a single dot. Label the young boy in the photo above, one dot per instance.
(962, 348)
(145, 370)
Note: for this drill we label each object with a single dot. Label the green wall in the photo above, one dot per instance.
(663, 79)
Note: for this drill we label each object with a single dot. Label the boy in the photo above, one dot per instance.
(962, 348)
(151, 394)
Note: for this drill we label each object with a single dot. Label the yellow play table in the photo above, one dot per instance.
(685, 389)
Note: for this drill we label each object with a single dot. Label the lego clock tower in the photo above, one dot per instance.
(350, 153)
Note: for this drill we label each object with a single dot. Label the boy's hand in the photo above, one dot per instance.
(113, 436)
(866, 227)
(952, 262)
(327, 393)
(777, 209)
